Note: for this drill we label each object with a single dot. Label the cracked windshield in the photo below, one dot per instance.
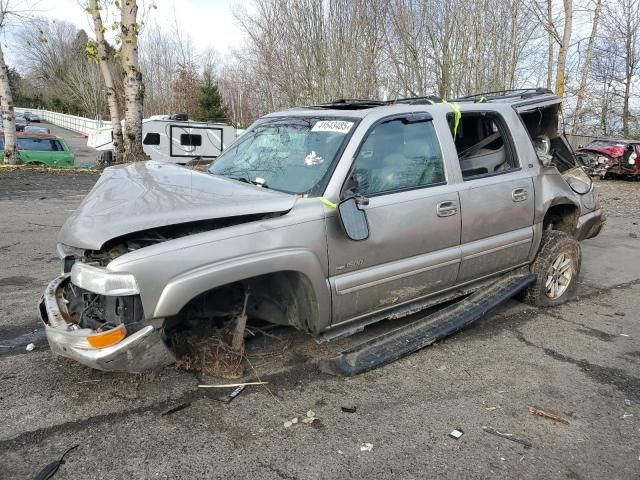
(291, 155)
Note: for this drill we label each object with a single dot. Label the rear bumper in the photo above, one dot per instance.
(139, 351)
(590, 225)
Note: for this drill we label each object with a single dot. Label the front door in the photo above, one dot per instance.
(414, 222)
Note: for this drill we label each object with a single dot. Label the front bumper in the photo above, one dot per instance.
(590, 224)
(139, 351)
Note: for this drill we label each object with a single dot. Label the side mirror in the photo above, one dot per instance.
(353, 220)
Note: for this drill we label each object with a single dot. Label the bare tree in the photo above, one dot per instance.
(101, 53)
(10, 156)
(133, 85)
(622, 25)
(561, 79)
(586, 65)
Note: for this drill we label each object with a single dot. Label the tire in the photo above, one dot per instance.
(551, 268)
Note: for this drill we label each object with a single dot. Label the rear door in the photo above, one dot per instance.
(496, 197)
(414, 222)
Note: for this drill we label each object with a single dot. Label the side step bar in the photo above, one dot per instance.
(423, 332)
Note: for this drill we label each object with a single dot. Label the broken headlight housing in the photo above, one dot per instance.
(103, 282)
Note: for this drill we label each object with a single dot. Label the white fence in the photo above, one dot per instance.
(70, 122)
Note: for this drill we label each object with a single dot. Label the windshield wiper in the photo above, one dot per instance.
(249, 181)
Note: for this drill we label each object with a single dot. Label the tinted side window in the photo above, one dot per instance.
(398, 156)
(39, 144)
(483, 145)
(190, 140)
(152, 139)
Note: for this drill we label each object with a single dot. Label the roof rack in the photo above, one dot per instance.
(426, 100)
(499, 95)
(351, 104)
(521, 93)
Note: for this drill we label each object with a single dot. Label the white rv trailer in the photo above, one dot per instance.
(174, 138)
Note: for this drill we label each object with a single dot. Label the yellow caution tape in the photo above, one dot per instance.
(328, 202)
(456, 116)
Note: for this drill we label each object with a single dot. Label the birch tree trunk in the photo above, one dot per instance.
(582, 89)
(103, 58)
(550, 46)
(8, 117)
(564, 47)
(133, 86)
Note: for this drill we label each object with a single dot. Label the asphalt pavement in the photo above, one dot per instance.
(579, 361)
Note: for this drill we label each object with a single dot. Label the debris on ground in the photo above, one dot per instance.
(550, 415)
(349, 408)
(230, 385)
(366, 447)
(51, 469)
(456, 433)
(30, 347)
(175, 409)
(507, 436)
(625, 415)
(310, 418)
(208, 350)
(627, 402)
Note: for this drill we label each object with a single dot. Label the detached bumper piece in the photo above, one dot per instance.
(407, 339)
(142, 350)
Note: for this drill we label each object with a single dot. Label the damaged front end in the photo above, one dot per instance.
(95, 317)
(608, 159)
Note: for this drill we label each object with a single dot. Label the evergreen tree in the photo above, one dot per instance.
(210, 102)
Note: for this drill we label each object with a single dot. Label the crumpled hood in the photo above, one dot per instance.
(145, 195)
(613, 151)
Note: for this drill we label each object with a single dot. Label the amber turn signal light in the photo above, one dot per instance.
(108, 338)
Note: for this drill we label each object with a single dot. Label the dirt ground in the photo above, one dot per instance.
(579, 360)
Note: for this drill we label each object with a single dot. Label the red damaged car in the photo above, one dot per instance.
(611, 158)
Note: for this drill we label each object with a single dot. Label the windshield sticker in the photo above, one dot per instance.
(338, 126)
(313, 159)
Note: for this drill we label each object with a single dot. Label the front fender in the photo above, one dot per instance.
(181, 289)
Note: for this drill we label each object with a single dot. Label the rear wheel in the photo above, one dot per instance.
(556, 267)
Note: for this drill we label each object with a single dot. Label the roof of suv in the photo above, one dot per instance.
(359, 108)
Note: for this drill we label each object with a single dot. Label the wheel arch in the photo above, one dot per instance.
(294, 274)
(562, 216)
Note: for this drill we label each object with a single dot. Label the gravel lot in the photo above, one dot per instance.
(580, 360)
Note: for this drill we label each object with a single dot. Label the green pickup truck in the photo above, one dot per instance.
(42, 149)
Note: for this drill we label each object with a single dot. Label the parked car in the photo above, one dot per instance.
(21, 122)
(325, 218)
(42, 149)
(32, 117)
(611, 158)
(35, 129)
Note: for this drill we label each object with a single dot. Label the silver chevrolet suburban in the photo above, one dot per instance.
(325, 218)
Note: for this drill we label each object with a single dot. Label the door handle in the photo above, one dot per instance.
(446, 209)
(519, 194)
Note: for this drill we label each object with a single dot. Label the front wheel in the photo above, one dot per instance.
(556, 267)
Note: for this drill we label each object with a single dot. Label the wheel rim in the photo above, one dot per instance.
(559, 276)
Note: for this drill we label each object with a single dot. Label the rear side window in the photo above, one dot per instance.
(39, 144)
(151, 139)
(190, 140)
(483, 145)
(397, 155)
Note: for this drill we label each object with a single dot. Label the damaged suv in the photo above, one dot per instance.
(325, 218)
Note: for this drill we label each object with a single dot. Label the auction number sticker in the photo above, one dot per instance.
(338, 126)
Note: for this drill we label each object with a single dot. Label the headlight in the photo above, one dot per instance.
(101, 281)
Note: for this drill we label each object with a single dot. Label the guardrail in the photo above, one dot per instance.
(70, 122)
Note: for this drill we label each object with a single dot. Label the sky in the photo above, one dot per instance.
(210, 23)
